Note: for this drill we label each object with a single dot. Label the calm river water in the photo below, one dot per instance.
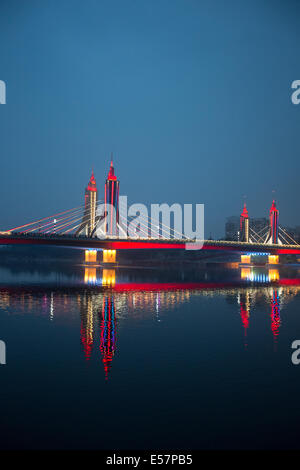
(150, 359)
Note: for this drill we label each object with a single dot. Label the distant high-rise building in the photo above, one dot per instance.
(90, 202)
(232, 228)
(111, 202)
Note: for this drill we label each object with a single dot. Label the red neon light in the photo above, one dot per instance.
(144, 245)
(274, 222)
(245, 317)
(105, 207)
(92, 183)
(245, 212)
(107, 334)
(117, 203)
(111, 174)
(111, 209)
(168, 286)
(86, 342)
(285, 251)
(273, 207)
(275, 315)
(129, 244)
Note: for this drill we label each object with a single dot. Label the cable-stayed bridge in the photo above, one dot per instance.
(100, 225)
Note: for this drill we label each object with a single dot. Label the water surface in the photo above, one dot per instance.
(145, 358)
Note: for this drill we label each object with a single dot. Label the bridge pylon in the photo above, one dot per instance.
(90, 205)
(111, 202)
(272, 237)
(244, 225)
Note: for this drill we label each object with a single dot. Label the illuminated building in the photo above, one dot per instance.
(111, 202)
(89, 217)
(244, 225)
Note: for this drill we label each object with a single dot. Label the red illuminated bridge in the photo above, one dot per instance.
(88, 243)
(99, 225)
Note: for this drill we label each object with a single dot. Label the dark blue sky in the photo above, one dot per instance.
(192, 97)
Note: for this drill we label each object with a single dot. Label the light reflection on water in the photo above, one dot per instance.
(163, 350)
(101, 309)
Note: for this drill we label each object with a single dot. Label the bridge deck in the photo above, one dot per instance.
(144, 243)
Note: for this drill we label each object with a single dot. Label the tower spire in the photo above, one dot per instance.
(111, 173)
(245, 212)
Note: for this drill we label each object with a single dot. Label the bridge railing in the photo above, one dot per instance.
(69, 236)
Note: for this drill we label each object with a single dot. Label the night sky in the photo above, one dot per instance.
(192, 97)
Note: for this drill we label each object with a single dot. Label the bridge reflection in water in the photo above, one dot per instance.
(268, 276)
(103, 302)
(106, 321)
(162, 296)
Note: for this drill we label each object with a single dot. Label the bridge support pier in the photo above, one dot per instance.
(246, 259)
(109, 256)
(255, 258)
(273, 259)
(90, 256)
